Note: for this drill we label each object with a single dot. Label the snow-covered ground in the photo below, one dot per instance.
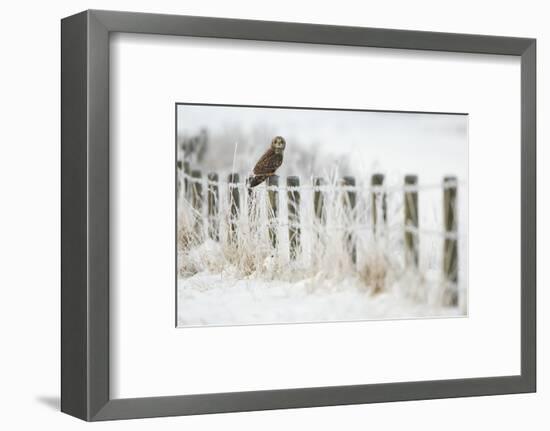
(223, 299)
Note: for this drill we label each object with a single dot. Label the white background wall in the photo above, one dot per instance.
(30, 215)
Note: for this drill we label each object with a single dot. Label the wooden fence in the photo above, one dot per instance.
(206, 190)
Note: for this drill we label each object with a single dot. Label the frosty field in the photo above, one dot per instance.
(374, 227)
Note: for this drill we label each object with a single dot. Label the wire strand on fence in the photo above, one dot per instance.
(344, 228)
(329, 188)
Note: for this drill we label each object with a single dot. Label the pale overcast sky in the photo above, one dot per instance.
(431, 145)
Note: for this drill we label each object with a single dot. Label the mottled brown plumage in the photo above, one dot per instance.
(270, 161)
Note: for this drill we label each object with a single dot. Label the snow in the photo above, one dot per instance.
(224, 299)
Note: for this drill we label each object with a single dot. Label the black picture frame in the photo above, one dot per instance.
(85, 214)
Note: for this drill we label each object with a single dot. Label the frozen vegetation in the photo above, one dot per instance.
(244, 279)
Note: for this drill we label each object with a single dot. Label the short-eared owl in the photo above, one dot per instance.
(269, 162)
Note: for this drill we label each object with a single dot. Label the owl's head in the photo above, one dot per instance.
(278, 144)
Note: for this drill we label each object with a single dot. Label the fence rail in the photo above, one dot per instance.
(205, 192)
(323, 187)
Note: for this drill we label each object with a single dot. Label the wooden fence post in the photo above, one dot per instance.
(450, 250)
(319, 200)
(234, 205)
(187, 172)
(272, 208)
(196, 199)
(179, 169)
(378, 201)
(411, 220)
(293, 196)
(213, 207)
(350, 197)
(251, 206)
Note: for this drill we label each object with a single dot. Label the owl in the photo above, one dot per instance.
(269, 162)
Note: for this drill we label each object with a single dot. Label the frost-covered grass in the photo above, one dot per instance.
(243, 279)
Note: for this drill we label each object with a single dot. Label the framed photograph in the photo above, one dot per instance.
(265, 215)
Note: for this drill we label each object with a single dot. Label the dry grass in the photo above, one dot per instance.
(325, 248)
